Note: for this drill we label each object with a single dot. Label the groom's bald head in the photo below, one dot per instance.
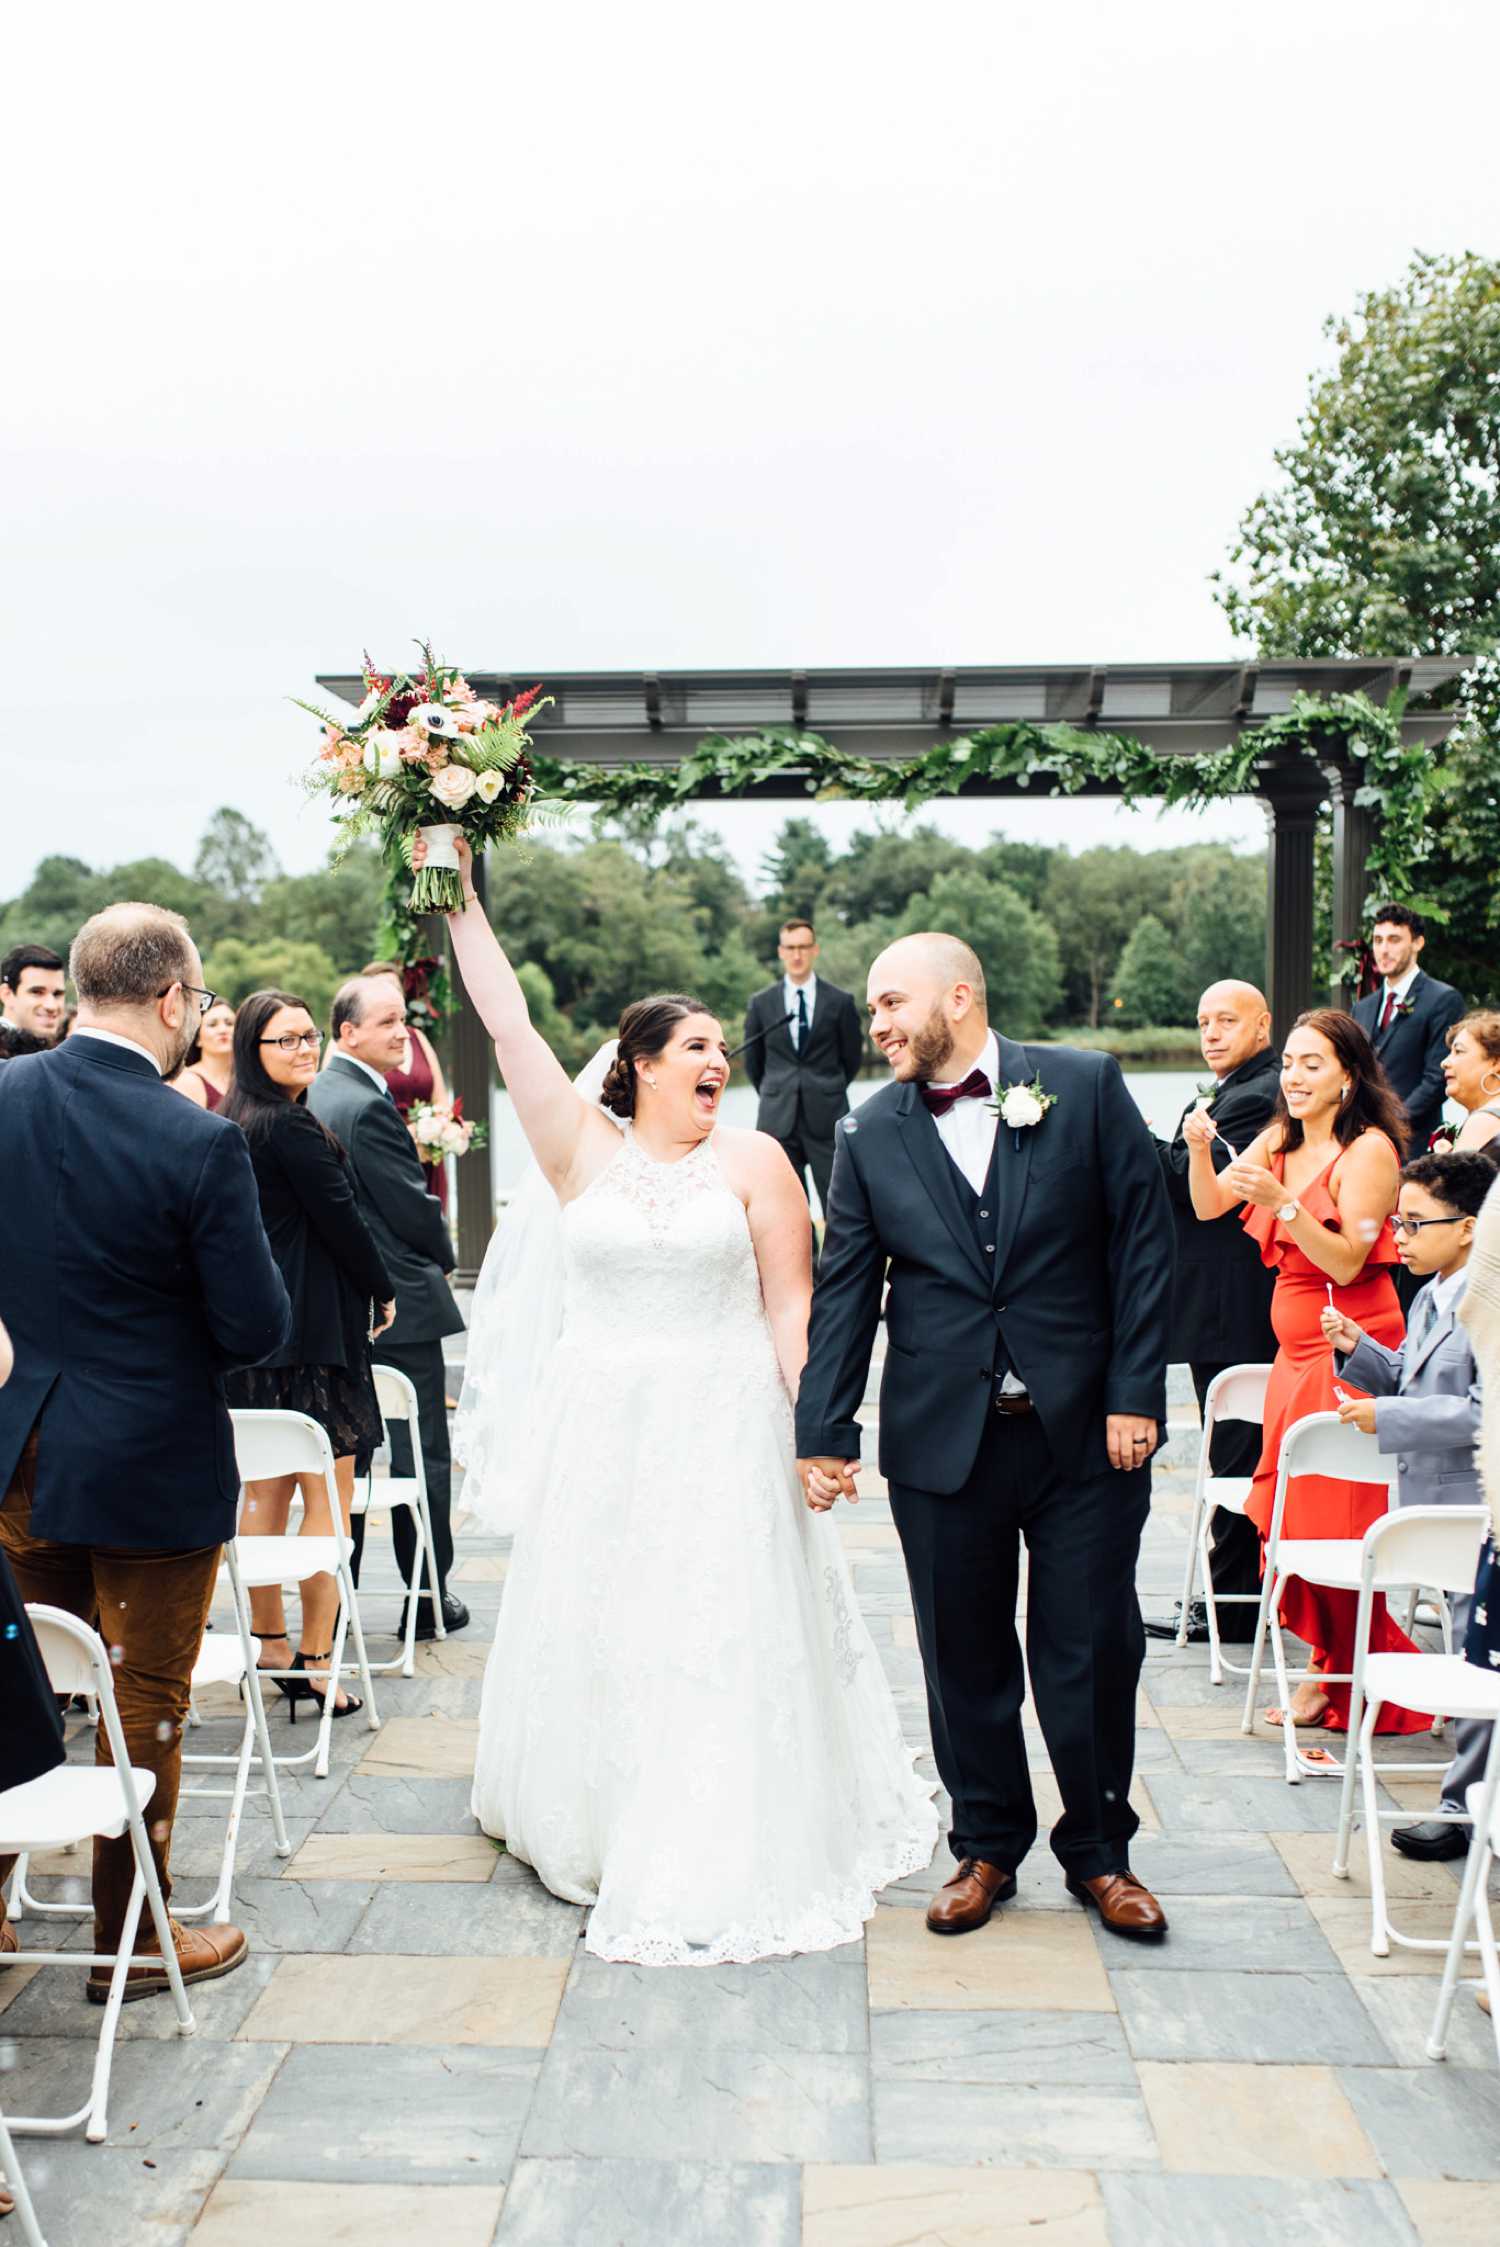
(927, 1006)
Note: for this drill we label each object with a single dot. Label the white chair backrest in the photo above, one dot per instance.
(1436, 1546)
(1239, 1393)
(279, 1443)
(395, 1395)
(1322, 1444)
(74, 1656)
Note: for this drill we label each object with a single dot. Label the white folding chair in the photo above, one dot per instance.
(398, 1401)
(1320, 1444)
(268, 1445)
(76, 1802)
(1436, 1547)
(11, 2177)
(1483, 1806)
(1238, 1393)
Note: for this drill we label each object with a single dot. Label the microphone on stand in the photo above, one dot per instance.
(789, 1016)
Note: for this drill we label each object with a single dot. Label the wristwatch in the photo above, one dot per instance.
(1288, 1211)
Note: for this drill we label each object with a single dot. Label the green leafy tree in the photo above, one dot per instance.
(1093, 902)
(1216, 914)
(1382, 537)
(1016, 947)
(1151, 983)
(235, 968)
(881, 872)
(339, 909)
(235, 857)
(796, 868)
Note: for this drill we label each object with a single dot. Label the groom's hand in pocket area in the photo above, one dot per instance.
(1129, 1439)
(825, 1481)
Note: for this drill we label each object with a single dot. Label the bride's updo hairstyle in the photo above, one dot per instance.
(646, 1029)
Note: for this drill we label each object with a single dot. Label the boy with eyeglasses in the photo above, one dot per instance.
(1424, 1405)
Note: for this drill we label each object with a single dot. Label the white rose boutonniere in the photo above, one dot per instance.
(1022, 1106)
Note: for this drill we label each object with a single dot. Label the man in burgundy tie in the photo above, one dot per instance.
(1015, 1199)
(1408, 1018)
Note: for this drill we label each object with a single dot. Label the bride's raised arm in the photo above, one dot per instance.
(559, 1126)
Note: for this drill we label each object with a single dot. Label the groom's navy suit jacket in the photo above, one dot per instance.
(134, 1270)
(1076, 1298)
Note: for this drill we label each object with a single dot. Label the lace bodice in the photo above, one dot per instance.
(662, 1251)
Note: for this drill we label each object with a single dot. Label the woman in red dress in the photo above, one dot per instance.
(1320, 1184)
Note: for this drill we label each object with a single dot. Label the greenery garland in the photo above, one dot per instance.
(1397, 781)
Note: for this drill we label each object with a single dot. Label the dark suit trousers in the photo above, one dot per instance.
(805, 1152)
(1084, 1644)
(151, 1610)
(1234, 1561)
(422, 1363)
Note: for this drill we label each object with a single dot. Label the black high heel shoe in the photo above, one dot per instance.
(293, 1689)
(308, 1691)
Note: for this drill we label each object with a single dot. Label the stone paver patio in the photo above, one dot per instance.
(420, 2046)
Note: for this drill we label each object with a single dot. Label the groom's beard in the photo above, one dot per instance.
(931, 1048)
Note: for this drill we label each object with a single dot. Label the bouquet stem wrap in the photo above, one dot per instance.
(437, 886)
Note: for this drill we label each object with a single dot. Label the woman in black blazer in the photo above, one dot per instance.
(334, 1275)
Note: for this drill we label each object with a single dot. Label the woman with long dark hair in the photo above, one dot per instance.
(333, 1274)
(1319, 1185)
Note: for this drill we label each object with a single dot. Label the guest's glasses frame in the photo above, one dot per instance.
(291, 1039)
(1415, 1224)
(205, 999)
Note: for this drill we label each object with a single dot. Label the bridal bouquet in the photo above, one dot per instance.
(424, 755)
(441, 1130)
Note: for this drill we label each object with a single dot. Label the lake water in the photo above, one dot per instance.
(1160, 1094)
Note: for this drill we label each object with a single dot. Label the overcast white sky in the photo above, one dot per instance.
(670, 335)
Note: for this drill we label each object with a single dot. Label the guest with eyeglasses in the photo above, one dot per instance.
(208, 1072)
(334, 1274)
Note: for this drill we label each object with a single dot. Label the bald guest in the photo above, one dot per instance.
(1221, 1306)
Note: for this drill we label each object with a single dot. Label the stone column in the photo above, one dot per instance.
(1293, 793)
(471, 1072)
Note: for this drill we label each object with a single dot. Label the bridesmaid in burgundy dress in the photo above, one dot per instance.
(208, 1072)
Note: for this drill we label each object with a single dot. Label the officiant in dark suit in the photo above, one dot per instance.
(1407, 1019)
(353, 1099)
(1029, 1255)
(1221, 1302)
(803, 1047)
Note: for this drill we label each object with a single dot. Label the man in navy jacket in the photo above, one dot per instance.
(1408, 1018)
(136, 1272)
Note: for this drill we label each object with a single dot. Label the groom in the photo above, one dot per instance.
(1030, 1265)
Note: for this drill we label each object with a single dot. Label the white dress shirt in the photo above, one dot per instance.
(792, 992)
(968, 1129)
(113, 1037)
(1396, 990)
(1446, 1295)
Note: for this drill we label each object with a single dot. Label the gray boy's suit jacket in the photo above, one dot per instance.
(1427, 1408)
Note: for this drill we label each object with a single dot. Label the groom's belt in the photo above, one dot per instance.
(1013, 1403)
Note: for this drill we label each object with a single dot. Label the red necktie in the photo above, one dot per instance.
(940, 1098)
(1386, 1012)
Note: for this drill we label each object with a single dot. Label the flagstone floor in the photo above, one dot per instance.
(419, 2045)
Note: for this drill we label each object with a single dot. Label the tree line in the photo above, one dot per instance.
(1113, 939)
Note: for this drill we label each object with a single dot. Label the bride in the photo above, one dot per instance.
(684, 1720)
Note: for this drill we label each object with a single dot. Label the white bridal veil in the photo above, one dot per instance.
(515, 1319)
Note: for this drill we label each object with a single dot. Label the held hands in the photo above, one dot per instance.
(1129, 1439)
(1252, 1182)
(385, 1317)
(1199, 1129)
(825, 1481)
(1340, 1333)
(1358, 1412)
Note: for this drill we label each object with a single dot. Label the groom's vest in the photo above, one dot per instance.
(984, 1215)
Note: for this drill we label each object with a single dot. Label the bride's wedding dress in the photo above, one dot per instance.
(685, 1723)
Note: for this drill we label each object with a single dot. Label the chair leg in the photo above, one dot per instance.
(1354, 1759)
(1284, 1695)
(31, 2230)
(1364, 1754)
(413, 1597)
(98, 2110)
(440, 1628)
(1476, 1877)
(1490, 1962)
(267, 1760)
(1190, 1567)
(351, 1619)
(1257, 1652)
(225, 1888)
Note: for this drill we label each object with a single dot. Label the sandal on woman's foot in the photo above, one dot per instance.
(351, 1704)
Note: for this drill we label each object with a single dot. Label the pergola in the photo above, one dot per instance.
(605, 718)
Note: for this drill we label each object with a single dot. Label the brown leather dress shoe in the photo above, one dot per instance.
(203, 1953)
(966, 1901)
(1125, 1904)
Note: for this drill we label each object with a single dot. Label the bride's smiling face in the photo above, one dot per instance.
(681, 1086)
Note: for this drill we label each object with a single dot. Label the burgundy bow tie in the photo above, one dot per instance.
(940, 1098)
